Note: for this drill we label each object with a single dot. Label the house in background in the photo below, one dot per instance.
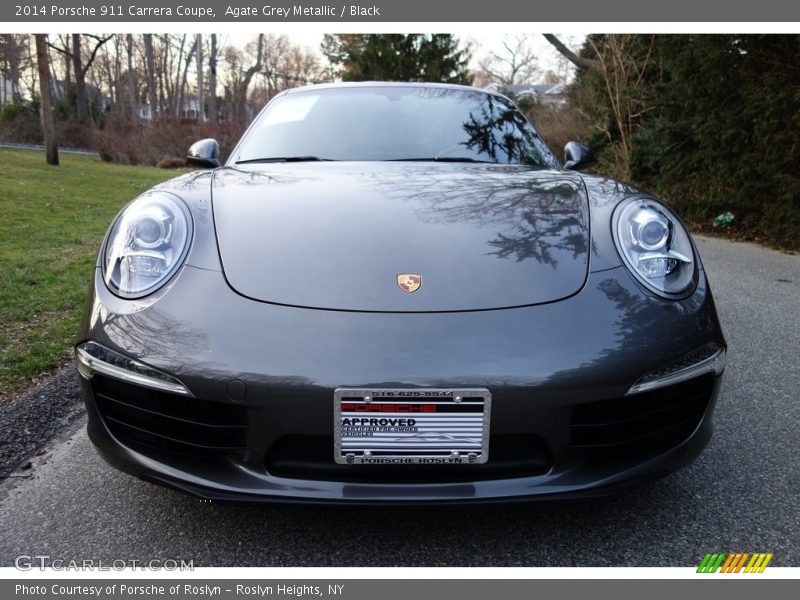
(10, 91)
(93, 95)
(553, 94)
(144, 112)
(190, 109)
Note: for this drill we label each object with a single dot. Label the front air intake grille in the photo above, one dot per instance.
(311, 457)
(145, 419)
(650, 420)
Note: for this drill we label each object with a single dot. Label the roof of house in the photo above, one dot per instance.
(536, 89)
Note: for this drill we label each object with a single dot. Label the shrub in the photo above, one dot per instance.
(171, 163)
(712, 124)
(165, 142)
(19, 123)
(558, 125)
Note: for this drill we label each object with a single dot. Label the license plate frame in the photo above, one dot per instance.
(437, 426)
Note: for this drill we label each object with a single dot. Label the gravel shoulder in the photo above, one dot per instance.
(37, 416)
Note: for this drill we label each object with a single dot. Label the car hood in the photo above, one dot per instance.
(337, 235)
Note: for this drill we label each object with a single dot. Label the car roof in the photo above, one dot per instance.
(405, 84)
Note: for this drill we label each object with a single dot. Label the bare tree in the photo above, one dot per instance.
(29, 74)
(166, 65)
(105, 75)
(80, 82)
(622, 65)
(240, 79)
(275, 48)
(300, 67)
(201, 102)
(12, 64)
(515, 63)
(80, 69)
(132, 93)
(150, 64)
(63, 47)
(578, 61)
(48, 126)
(213, 110)
(177, 108)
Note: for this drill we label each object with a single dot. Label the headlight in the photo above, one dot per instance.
(655, 247)
(146, 245)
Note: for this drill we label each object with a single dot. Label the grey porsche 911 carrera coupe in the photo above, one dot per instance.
(395, 293)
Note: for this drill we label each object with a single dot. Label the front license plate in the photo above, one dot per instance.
(408, 426)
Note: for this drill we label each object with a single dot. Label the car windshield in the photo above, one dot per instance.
(393, 123)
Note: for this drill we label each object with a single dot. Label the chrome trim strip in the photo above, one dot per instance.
(714, 363)
(88, 365)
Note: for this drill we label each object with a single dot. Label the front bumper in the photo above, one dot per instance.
(262, 376)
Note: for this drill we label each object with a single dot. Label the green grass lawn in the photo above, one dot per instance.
(52, 220)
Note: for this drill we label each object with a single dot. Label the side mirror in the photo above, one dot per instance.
(204, 154)
(578, 157)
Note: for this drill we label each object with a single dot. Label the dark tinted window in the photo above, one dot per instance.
(395, 123)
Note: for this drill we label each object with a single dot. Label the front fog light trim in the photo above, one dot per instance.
(93, 358)
(711, 364)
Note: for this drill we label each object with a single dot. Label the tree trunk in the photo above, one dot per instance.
(48, 126)
(65, 93)
(170, 66)
(182, 87)
(241, 99)
(116, 76)
(81, 101)
(132, 81)
(213, 111)
(162, 75)
(201, 101)
(151, 76)
(578, 61)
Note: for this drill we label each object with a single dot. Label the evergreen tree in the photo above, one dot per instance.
(712, 122)
(397, 57)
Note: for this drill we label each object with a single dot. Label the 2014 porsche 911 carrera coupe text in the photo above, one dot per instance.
(396, 293)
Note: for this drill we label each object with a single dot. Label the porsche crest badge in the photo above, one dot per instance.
(409, 282)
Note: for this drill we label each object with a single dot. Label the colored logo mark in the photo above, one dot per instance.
(735, 562)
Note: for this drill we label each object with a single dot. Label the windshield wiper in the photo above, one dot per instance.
(283, 159)
(464, 159)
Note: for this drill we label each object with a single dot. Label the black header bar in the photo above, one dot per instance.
(446, 12)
